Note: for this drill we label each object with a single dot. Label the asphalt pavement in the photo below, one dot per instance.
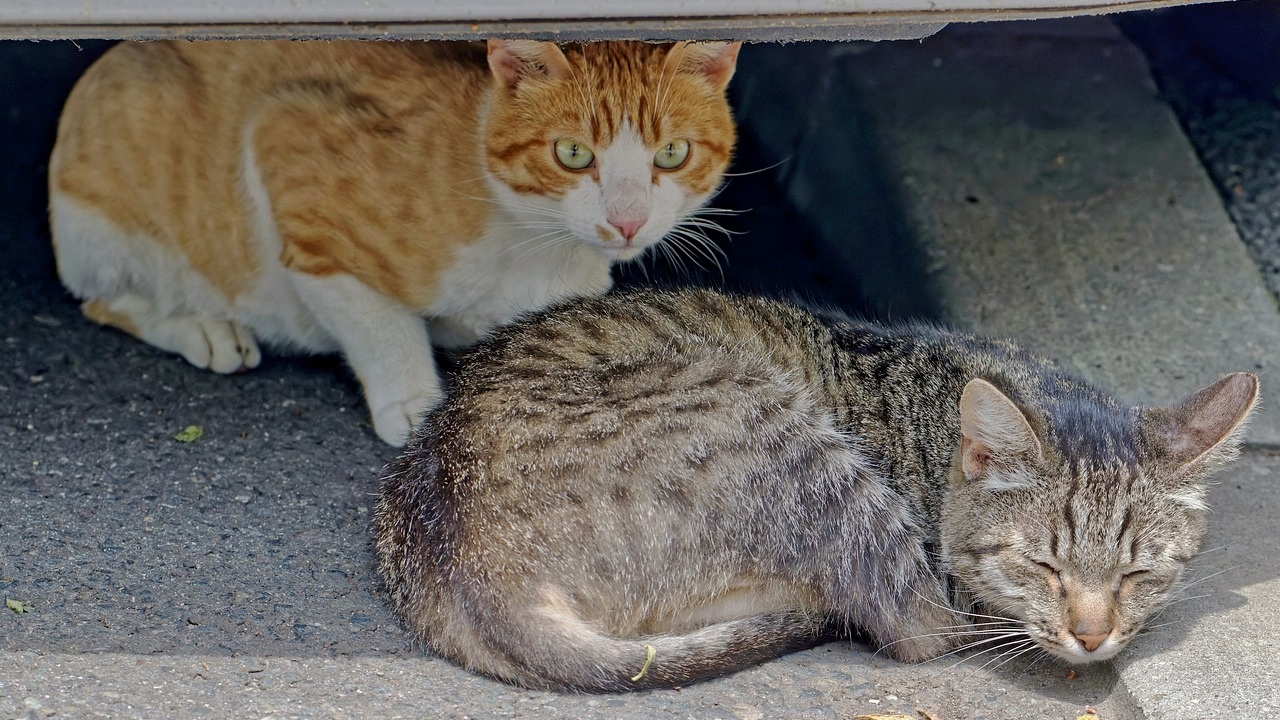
(232, 575)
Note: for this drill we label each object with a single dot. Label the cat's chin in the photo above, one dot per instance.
(623, 254)
(1077, 655)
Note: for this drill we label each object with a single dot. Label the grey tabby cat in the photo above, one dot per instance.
(650, 489)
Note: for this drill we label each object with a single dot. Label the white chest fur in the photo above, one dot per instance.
(506, 273)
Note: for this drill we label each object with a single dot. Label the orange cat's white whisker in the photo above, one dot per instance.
(693, 242)
(668, 251)
(766, 168)
(531, 247)
(712, 210)
(704, 224)
(515, 204)
(689, 249)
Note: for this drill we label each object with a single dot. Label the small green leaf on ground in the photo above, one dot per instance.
(190, 433)
(17, 606)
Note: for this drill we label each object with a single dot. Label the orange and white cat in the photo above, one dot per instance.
(329, 196)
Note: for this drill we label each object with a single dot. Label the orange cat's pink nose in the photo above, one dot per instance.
(1091, 642)
(628, 227)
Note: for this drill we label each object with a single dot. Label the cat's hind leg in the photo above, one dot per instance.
(222, 346)
(134, 283)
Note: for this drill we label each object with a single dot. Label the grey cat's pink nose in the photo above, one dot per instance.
(1091, 641)
(628, 228)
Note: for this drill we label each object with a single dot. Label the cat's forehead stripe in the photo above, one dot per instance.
(1092, 433)
(633, 84)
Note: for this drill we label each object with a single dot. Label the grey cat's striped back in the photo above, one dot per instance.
(651, 488)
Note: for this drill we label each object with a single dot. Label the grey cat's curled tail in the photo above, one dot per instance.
(561, 651)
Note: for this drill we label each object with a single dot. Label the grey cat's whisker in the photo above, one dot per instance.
(1012, 655)
(1183, 587)
(1007, 623)
(1002, 632)
(1168, 603)
(1168, 623)
(1012, 640)
(1040, 657)
(980, 642)
(997, 618)
(1004, 650)
(1175, 600)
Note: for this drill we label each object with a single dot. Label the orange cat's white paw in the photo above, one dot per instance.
(394, 422)
(218, 345)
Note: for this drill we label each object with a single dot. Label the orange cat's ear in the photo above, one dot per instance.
(515, 60)
(714, 60)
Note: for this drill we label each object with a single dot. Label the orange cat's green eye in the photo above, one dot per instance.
(672, 155)
(573, 154)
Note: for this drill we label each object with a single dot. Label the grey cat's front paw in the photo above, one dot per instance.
(929, 630)
(920, 648)
(395, 421)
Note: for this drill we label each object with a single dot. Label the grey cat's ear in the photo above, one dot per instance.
(515, 60)
(1205, 430)
(714, 60)
(995, 438)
